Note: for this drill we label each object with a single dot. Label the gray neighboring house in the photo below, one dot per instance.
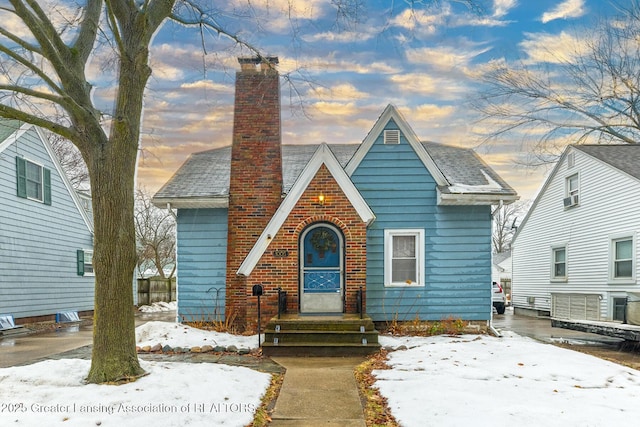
(46, 230)
(575, 255)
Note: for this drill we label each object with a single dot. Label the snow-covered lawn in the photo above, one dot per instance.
(438, 381)
(51, 393)
(475, 380)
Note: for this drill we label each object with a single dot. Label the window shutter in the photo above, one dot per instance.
(21, 174)
(80, 262)
(46, 186)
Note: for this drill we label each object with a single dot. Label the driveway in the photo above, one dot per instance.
(25, 349)
(540, 329)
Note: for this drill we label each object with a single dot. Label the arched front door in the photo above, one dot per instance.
(321, 269)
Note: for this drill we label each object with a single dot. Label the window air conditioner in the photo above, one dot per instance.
(570, 201)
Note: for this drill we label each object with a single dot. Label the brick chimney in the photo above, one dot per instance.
(255, 187)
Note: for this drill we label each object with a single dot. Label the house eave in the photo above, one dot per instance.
(474, 199)
(192, 202)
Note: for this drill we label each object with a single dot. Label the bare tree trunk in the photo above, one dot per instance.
(114, 355)
(112, 171)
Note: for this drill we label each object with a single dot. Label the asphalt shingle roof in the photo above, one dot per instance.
(462, 167)
(206, 174)
(624, 157)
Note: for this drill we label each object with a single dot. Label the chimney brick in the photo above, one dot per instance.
(255, 187)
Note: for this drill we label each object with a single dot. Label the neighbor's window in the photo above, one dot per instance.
(622, 262)
(85, 262)
(559, 263)
(573, 187)
(34, 181)
(404, 257)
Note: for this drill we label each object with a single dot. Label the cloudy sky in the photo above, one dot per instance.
(339, 72)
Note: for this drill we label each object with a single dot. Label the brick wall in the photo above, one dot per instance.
(272, 272)
(255, 187)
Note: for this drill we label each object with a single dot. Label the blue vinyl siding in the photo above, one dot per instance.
(38, 242)
(402, 194)
(202, 259)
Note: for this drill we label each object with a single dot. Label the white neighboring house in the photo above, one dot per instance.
(575, 255)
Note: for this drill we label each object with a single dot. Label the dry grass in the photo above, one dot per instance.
(423, 328)
(262, 417)
(223, 325)
(376, 410)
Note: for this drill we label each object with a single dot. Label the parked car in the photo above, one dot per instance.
(498, 298)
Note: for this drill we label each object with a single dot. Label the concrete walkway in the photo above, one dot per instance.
(318, 391)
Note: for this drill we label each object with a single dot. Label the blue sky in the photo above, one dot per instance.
(339, 75)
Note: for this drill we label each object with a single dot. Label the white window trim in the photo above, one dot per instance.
(92, 272)
(552, 275)
(41, 167)
(622, 280)
(388, 256)
(577, 193)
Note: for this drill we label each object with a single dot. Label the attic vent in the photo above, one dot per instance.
(571, 160)
(392, 137)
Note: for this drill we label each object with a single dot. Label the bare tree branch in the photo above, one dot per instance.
(591, 96)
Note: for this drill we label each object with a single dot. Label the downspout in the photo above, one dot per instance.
(493, 330)
(171, 211)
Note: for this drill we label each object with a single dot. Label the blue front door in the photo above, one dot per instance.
(321, 270)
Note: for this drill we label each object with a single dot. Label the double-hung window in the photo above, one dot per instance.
(572, 191)
(622, 258)
(404, 257)
(559, 263)
(34, 181)
(84, 259)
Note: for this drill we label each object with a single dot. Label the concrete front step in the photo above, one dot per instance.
(319, 336)
(344, 335)
(319, 349)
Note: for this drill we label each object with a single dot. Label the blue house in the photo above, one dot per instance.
(407, 222)
(46, 232)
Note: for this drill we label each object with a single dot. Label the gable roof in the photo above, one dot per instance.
(623, 157)
(10, 133)
(462, 177)
(322, 156)
(392, 113)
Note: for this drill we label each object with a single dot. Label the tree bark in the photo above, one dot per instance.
(112, 171)
(112, 168)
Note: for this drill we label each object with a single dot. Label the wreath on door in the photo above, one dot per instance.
(322, 241)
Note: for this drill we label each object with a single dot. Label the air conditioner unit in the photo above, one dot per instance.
(570, 201)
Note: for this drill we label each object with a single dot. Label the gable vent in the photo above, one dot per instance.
(571, 159)
(392, 137)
